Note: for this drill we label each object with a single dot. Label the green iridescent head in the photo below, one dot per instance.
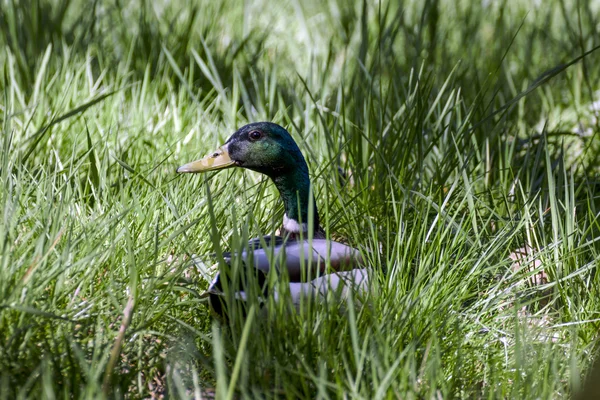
(267, 148)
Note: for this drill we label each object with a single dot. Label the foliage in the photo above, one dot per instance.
(468, 147)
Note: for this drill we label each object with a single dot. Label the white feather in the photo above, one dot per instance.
(340, 283)
(291, 225)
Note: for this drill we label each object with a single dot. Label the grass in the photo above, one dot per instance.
(468, 142)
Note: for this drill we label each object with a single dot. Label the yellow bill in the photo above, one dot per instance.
(219, 159)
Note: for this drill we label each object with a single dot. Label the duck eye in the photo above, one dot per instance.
(255, 135)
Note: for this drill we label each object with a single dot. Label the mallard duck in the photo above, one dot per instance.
(301, 248)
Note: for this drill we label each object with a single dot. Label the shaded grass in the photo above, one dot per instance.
(97, 233)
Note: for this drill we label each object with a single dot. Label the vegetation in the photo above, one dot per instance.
(454, 142)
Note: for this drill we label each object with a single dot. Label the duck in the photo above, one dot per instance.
(313, 265)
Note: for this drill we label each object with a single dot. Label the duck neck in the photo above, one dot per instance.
(294, 189)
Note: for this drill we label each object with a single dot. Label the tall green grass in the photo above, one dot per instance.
(467, 141)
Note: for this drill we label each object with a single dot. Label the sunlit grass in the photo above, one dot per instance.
(478, 211)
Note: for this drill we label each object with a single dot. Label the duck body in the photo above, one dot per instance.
(305, 264)
(313, 265)
(301, 259)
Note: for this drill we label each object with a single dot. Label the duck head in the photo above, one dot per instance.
(268, 148)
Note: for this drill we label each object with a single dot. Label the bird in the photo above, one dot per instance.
(313, 264)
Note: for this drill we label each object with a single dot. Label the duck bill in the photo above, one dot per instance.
(219, 159)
